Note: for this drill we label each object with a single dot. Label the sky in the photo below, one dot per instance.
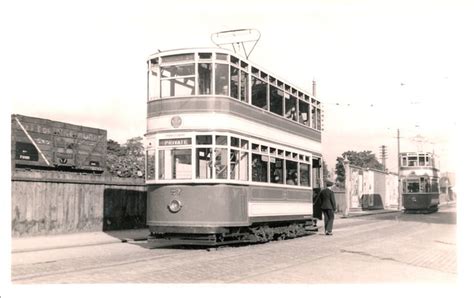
(379, 65)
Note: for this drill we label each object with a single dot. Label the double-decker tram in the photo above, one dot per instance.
(420, 182)
(232, 151)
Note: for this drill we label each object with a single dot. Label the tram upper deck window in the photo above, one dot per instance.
(290, 107)
(204, 74)
(404, 161)
(259, 93)
(421, 160)
(276, 100)
(313, 116)
(303, 113)
(412, 161)
(244, 86)
(222, 79)
(177, 80)
(234, 82)
(318, 119)
(153, 82)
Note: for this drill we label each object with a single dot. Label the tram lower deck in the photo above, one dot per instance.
(420, 202)
(220, 213)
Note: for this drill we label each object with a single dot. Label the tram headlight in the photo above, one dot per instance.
(175, 205)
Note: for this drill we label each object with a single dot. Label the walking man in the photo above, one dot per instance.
(328, 206)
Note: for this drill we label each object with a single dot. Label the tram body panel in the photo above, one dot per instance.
(412, 201)
(216, 205)
(212, 208)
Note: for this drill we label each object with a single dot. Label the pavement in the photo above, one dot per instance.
(48, 242)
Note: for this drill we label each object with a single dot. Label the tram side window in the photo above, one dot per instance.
(276, 170)
(434, 185)
(222, 79)
(404, 161)
(174, 164)
(244, 86)
(291, 172)
(319, 122)
(177, 80)
(313, 117)
(304, 112)
(234, 82)
(150, 164)
(412, 161)
(290, 107)
(259, 168)
(204, 72)
(259, 93)
(153, 83)
(221, 163)
(276, 100)
(304, 174)
(238, 165)
(203, 163)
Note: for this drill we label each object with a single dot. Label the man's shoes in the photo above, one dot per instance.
(329, 233)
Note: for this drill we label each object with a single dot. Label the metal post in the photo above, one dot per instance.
(347, 186)
(398, 169)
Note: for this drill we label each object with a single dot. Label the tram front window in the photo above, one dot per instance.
(222, 79)
(203, 163)
(221, 163)
(259, 93)
(413, 186)
(150, 164)
(204, 71)
(174, 164)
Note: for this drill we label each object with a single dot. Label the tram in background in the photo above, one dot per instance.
(232, 151)
(420, 182)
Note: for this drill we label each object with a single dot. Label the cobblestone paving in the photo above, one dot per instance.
(405, 250)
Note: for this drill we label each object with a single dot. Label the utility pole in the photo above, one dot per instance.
(398, 171)
(383, 156)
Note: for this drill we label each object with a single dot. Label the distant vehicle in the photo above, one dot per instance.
(420, 182)
(232, 151)
(45, 144)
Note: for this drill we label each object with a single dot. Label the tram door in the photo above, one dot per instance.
(316, 172)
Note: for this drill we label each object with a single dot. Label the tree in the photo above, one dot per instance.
(364, 159)
(126, 160)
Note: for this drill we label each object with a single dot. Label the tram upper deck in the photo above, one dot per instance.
(219, 80)
(210, 106)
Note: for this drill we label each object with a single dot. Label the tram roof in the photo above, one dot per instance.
(229, 52)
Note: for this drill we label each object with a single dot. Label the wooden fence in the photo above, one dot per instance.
(59, 202)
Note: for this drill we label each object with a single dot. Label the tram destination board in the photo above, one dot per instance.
(46, 144)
